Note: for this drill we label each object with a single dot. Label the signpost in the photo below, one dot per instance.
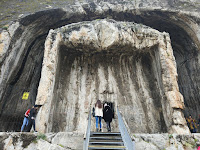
(25, 95)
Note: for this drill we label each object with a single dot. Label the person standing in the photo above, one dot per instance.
(25, 121)
(107, 116)
(98, 114)
(192, 124)
(198, 124)
(32, 118)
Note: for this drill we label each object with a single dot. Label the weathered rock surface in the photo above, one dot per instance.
(127, 64)
(166, 141)
(74, 141)
(21, 66)
(12, 9)
(33, 141)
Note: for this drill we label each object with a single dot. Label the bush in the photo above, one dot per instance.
(41, 136)
(5, 28)
(170, 136)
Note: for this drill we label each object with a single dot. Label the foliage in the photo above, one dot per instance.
(61, 145)
(170, 136)
(35, 141)
(41, 136)
(189, 145)
(4, 27)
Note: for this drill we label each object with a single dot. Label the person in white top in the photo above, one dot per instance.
(98, 114)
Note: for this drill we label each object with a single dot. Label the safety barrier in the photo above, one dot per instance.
(129, 144)
(87, 134)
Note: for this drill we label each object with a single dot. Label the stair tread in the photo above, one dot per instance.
(103, 140)
(92, 148)
(106, 146)
(109, 133)
(106, 137)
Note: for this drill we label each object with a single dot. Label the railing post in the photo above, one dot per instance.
(87, 134)
(128, 143)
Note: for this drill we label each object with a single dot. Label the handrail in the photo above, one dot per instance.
(86, 138)
(128, 143)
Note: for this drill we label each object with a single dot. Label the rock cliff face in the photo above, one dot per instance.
(70, 140)
(14, 9)
(116, 62)
(22, 55)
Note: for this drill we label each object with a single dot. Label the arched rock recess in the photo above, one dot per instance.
(128, 64)
(31, 31)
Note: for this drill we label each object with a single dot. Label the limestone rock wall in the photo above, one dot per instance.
(32, 141)
(131, 65)
(72, 140)
(121, 79)
(166, 141)
(26, 79)
(12, 9)
(27, 36)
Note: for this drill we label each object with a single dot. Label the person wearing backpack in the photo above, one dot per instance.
(107, 116)
(25, 121)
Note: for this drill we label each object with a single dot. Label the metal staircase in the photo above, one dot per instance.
(108, 140)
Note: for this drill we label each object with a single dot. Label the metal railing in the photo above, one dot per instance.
(87, 134)
(128, 143)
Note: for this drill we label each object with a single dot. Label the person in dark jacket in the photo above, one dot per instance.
(107, 116)
(31, 118)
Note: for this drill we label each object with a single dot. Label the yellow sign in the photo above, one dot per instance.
(25, 95)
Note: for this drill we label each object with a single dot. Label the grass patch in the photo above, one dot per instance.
(170, 136)
(134, 135)
(35, 141)
(41, 136)
(5, 28)
(189, 145)
(61, 145)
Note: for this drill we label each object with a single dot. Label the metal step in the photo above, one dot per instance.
(105, 133)
(106, 147)
(106, 138)
(105, 143)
